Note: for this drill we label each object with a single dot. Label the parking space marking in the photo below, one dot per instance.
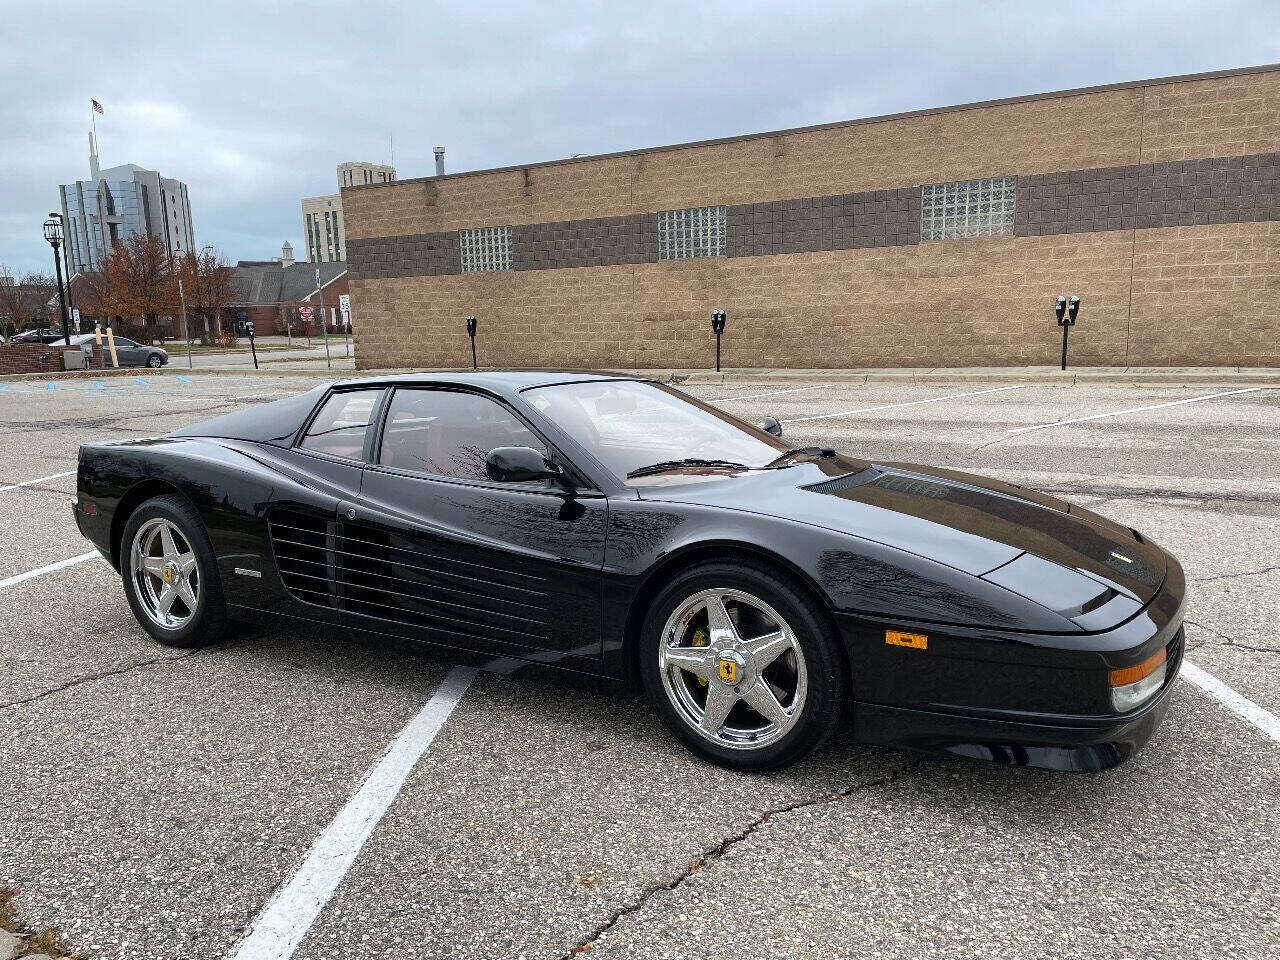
(772, 393)
(1263, 719)
(51, 568)
(906, 403)
(1152, 406)
(288, 915)
(30, 483)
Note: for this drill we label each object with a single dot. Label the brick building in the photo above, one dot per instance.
(934, 238)
(270, 292)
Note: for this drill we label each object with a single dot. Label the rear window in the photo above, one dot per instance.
(340, 426)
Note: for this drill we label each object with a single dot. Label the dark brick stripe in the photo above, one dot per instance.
(880, 218)
(1181, 193)
(1139, 196)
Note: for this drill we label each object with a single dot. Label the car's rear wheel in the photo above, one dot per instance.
(155, 361)
(743, 665)
(170, 574)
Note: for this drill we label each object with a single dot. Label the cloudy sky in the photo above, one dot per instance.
(253, 105)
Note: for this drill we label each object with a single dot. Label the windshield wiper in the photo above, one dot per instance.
(666, 465)
(817, 453)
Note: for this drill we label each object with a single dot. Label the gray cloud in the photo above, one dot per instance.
(253, 105)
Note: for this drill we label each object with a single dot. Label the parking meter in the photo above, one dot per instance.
(471, 332)
(717, 327)
(248, 332)
(1065, 310)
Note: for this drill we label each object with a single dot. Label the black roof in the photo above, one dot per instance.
(497, 381)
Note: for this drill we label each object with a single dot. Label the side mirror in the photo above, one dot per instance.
(519, 465)
(771, 425)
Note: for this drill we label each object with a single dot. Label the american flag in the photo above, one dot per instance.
(97, 107)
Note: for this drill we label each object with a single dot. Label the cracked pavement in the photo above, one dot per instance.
(154, 799)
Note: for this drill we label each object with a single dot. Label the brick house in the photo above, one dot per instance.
(269, 293)
(934, 238)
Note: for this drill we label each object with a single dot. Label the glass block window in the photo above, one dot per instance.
(696, 232)
(967, 208)
(485, 249)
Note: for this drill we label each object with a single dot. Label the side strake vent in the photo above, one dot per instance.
(364, 569)
(841, 484)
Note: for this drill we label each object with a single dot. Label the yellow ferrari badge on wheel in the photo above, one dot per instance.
(728, 669)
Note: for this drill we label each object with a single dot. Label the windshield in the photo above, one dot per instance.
(629, 424)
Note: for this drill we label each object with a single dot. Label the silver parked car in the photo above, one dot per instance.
(129, 352)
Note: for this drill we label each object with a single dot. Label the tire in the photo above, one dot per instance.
(807, 680)
(191, 564)
(155, 361)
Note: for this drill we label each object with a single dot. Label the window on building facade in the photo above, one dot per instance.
(485, 248)
(967, 208)
(695, 232)
(337, 238)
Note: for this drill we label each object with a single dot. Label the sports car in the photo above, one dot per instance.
(759, 593)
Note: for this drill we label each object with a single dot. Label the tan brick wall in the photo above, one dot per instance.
(1207, 296)
(969, 302)
(1200, 295)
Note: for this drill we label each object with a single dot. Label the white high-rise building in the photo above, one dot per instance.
(117, 203)
(324, 228)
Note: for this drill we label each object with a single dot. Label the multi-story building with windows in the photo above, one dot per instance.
(323, 226)
(934, 238)
(117, 203)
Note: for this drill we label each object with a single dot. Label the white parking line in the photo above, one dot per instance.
(288, 915)
(1153, 406)
(51, 568)
(1264, 720)
(31, 483)
(907, 403)
(772, 393)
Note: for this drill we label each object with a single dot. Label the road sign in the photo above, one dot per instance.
(305, 313)
(75, 314)
(344, 302)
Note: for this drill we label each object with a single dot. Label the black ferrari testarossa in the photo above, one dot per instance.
(618, 527)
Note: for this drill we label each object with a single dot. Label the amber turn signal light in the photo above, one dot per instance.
(1127, 675)
(917, 641)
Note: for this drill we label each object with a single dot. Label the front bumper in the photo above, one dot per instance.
(1031, 699)
(1073, 748)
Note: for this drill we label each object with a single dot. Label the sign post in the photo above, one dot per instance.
(344, 305)
(324, 327)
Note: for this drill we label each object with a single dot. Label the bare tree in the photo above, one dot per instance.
(206, 281)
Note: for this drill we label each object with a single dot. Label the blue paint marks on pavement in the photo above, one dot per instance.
(52, 386)
(97, 384)
(141, 381)
(181, 378)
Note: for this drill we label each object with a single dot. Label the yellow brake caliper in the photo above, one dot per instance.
(700, 639)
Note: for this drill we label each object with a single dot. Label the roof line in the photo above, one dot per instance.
(835, 125)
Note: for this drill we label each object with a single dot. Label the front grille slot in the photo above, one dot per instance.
(1173, 656)
(362, 569)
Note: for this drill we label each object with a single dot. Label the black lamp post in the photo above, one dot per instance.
(71, 300)
(53, 233)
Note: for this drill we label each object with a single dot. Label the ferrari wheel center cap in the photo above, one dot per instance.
(172, 573)
(731, 668)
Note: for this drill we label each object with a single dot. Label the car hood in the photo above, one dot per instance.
(1068, 559)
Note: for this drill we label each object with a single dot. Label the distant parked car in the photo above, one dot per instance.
(42, 335)
(128, 352)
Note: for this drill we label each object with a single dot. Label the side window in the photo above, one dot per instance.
(340, 426)
(449, 433)
(122, 342)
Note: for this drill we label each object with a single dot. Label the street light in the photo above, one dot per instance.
(53, 233)
(71, 269)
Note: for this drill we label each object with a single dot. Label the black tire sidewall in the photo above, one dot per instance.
(823, 655)
(158, 364)
(210, 617)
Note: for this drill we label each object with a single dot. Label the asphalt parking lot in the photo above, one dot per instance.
(154, 801)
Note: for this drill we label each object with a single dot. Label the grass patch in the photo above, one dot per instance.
(48, 941)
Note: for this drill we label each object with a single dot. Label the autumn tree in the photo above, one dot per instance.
(206, 283)
(29, 302)
(141, 281)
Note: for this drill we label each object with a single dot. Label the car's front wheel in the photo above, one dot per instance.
(743, 665)
(170, 574)
(155, 361)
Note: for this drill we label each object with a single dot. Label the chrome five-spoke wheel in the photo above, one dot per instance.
(165, 574)
(733, 669)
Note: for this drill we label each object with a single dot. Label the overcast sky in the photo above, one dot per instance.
(253, 105)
